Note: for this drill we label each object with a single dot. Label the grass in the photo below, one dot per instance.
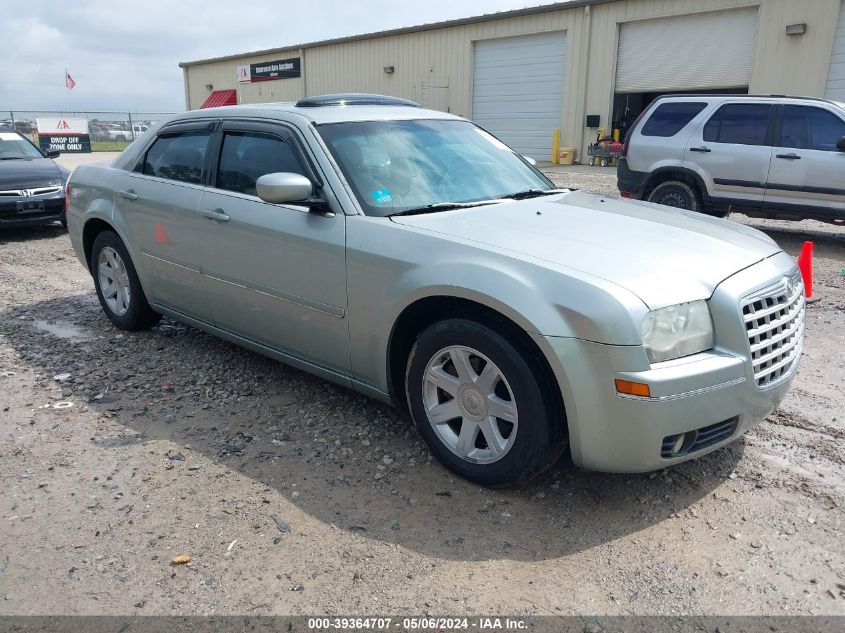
(108, 146)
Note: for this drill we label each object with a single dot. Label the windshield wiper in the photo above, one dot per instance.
(444, 206)
(533, 193)
(12, 157)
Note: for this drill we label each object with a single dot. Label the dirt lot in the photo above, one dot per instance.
(119, 451)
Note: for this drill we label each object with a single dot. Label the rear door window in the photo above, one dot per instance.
(178, 156)
(739, 123)
(246, 156)
(670, 118)
(806, 127)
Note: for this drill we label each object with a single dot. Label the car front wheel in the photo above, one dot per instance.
(118, 287)
(479, 405)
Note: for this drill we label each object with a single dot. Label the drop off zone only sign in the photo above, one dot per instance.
(64, 135)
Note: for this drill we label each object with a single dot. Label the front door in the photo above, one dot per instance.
(277, 273)
(157, 205)
(807, 170)
(732, 151)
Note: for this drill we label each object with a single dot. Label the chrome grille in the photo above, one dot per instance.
(774, 320)
(26, 193)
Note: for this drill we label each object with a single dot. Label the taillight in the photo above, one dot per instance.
(67, 197)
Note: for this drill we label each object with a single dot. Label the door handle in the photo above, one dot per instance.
(789, 156)
(218, 215)
(703, 150)
(128, 194)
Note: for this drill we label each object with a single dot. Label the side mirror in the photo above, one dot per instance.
(283, 187)
(840, 144)
(52, 153)
(530, 160)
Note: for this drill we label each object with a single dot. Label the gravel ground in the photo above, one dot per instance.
(119, 451)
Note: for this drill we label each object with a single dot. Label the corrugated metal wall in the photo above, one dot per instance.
(836, 75)
(442, 57)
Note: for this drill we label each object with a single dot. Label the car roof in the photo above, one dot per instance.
(320, 114)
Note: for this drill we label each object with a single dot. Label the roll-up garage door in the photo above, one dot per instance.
(689, 52)
(836, 75)
(518, 89)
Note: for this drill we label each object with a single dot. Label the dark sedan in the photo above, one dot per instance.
(32, 186)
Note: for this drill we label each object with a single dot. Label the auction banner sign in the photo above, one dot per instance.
(269, 71)
(65, 135)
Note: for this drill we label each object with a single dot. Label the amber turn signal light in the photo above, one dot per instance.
(632, 388)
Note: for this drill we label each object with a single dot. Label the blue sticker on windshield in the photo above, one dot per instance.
(382, 196)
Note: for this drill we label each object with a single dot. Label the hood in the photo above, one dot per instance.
(27, 174)
(664, 256)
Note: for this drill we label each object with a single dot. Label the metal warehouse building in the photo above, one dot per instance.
(578, 65)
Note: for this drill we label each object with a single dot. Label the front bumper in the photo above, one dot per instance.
(51, 208)
(714, 392)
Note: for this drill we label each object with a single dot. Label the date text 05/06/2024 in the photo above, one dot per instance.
(442, 624)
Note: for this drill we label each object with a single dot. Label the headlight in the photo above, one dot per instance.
(677, 331)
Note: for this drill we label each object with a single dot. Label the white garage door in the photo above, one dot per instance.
(836, 75)
(689, 52)
(518, 90)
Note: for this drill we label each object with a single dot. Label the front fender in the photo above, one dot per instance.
(390, 267)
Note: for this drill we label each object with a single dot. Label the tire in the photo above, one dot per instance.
(526, 438)
(592, 162)
(604, 162)
(128, 308)
(675, 193)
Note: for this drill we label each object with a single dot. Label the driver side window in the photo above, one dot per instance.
(246, 156)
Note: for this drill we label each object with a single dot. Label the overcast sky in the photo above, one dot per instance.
(125, 55)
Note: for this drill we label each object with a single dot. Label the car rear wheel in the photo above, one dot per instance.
(675, 193)
(479, 406)
(118, 287)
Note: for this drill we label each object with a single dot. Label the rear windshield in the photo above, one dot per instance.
(670, 118)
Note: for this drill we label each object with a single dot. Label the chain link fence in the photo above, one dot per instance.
(109, 131)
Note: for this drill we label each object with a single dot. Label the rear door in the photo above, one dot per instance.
(157, 204)
(731, 151)
(277, 273)
(807, 170)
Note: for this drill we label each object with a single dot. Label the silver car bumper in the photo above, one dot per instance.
(698, 403)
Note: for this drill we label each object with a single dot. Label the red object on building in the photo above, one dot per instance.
(805, 265)
(221, 98)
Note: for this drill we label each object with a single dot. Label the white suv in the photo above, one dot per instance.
(777, 157)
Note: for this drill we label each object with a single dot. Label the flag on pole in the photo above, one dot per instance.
(69, 82)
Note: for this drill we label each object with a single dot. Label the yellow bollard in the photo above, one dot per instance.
(556, 146)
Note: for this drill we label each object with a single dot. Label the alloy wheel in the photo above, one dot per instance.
(470, 404)
(114, 281)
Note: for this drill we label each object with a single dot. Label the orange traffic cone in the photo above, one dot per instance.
(805, 265)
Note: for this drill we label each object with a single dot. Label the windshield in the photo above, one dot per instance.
(396, 166)
(14, 146)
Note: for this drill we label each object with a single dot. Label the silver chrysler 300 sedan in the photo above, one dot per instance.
(410, 255)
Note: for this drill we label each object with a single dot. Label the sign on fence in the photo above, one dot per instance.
(64, 135)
